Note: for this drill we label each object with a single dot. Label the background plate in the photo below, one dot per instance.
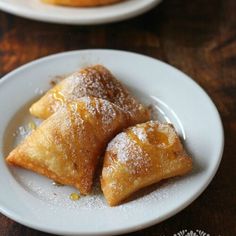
(35, 9)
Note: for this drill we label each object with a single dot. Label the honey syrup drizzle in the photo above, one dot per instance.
(59, 96)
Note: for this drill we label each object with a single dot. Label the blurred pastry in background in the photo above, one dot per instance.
(81, 3)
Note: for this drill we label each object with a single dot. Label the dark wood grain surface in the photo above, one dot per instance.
(199, 38)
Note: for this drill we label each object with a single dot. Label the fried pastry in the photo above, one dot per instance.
(140, 156)
(81, 3)
(94, 81)
(66, 147)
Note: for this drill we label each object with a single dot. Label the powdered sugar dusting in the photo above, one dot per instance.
(22, 131)
(105, 109)
(54, 196)
(108, 111)
(128, 153)
(140, 133)
(97, 81)
(39, 91)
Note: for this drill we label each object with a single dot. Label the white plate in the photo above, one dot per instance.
(32, 200)
(35, 9)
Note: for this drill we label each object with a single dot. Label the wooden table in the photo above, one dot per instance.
(199, 38)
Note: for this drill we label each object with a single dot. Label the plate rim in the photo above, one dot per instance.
(11, 214)
(34, 15)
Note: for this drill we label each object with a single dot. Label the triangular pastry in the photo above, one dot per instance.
(94, 81)
(140, 156)
(66, 147)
